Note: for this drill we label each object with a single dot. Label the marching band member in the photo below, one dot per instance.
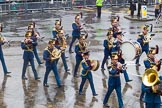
(27, 45)
(107, 47)
(115, 25)
(152, 98)
(57, 28)
(61, 44)
(2, 41)
(142, 39)
(86, 73)
(76, 31)
(34, 37)
(150, 62)
(114, 81)
(80, 47)
(116, 48)
(49, 56)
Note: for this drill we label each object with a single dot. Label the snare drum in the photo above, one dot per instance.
(96, 65)
(130, 50)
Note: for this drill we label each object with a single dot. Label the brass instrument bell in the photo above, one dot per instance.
(28, 34)
(150, 77)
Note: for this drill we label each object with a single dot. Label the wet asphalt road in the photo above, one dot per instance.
(16, 93)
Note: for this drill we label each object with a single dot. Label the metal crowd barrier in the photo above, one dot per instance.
(32, 6)
(59, 4)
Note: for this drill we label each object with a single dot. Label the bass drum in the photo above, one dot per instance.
(130, 50)
(96, 65)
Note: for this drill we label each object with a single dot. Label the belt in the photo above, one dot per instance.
(116, 75)
(29, 50)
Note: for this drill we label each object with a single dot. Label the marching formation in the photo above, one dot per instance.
(114, 51)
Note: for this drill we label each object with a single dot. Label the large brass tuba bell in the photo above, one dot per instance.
(150, 77)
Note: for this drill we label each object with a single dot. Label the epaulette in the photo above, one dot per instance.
(83, 61)
(54, 29)
(145, 59)
(46, 48)
(22, 41)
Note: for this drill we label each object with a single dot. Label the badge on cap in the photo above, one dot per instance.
(114, 55)
(86, 53)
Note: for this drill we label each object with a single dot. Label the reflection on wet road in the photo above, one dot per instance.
(15, 93)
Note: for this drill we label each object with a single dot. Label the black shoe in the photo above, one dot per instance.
(40, 63)
(106, 105)
(129, 80)
(102, 69)
(60, 86)
(38, 78)
(95, 94)
(7, 72)
(45, 85)
(24, 78)
(67, 70)
(81, 93)
(76, 76)
(138, 65)
(71, 52)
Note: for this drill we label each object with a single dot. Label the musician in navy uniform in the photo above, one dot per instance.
(152, 98)
(80, 47)
(86, 73)
(34, 37)
(61, 44)
(76, 31)
(150, 62)
(116, 49)
(152, 93)
(108, 43)
(115, 25)
(50, 58)
(28, 55)
(144, 42)
(57, 28)
(2, 41)
(114, 81)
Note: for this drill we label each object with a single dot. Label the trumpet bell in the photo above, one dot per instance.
(150, 77)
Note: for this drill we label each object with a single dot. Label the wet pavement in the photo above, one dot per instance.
(16, 93)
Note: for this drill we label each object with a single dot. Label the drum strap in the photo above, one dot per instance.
(85, 73)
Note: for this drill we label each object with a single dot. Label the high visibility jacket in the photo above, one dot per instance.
(99, 2)
(158, 1)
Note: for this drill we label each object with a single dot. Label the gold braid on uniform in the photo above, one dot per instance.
(86, 70)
